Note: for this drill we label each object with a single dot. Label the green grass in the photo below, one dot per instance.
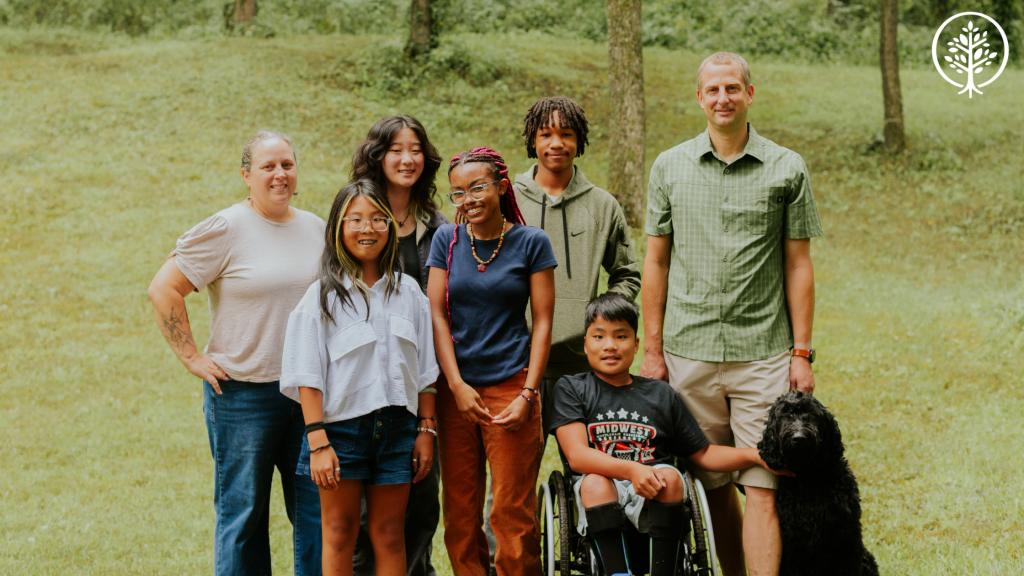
(111, 148)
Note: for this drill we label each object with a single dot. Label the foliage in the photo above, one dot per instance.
(782, 28)
(133, 17)
(388, 70)
(114, 146)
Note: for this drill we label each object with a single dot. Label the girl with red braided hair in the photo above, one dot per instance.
(484, 269)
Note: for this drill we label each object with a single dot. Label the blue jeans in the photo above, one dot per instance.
(253, 429)
(309, 540)
(375, 448)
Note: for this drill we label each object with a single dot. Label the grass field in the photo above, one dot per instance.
(111, 148)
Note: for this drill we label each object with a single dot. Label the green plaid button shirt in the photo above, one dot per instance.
(726, 301)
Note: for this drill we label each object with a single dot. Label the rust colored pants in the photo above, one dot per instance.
(514, 459)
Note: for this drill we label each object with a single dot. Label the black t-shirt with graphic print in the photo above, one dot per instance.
(645, 421)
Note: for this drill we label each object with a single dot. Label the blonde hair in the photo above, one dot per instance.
(726, 58)
(262, 136)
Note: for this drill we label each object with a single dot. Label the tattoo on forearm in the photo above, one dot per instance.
(175, 330)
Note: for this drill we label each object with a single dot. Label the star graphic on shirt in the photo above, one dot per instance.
(610, 414)
(645, 419)
(634, 416)
(600, 416)
(622, 412)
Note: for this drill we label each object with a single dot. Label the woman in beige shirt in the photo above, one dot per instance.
(256, 258)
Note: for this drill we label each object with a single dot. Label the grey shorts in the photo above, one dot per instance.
(632, 503)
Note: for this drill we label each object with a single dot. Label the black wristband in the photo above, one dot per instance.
(328, 445)
(314, 427)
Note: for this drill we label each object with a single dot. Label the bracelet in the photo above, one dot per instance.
(430, 419)
(314, 427)
(530, 400)
(429, 390)
(534, 390)
(434, 432)
(328, 445)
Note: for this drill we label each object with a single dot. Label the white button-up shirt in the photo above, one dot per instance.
(361, 364)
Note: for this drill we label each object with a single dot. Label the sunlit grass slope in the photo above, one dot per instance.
(109, 149)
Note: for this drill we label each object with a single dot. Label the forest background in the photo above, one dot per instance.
(121, 123)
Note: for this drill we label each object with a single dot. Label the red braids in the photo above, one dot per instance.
(508, 205)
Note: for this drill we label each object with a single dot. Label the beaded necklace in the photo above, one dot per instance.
(481, 265)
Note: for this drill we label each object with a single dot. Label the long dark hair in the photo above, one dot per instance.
(368, 162)
(508, 205)
(337, 262)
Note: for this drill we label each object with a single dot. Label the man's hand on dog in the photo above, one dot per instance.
(801, 377)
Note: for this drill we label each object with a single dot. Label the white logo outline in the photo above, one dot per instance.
(968, 89)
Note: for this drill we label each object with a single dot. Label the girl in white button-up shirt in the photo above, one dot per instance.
(359, 356)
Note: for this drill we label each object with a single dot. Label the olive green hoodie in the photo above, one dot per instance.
(588, 231)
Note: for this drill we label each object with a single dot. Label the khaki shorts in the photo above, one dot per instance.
(730, 401)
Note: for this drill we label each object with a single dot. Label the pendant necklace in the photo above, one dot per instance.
(481, 265)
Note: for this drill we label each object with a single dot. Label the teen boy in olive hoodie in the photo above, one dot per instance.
(586, 227)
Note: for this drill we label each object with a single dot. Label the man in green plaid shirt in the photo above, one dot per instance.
(728, 295)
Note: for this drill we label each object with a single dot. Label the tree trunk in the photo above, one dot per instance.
(835, 5)
(421, 39)
(627, 131)
(240, 13)
(890, 61)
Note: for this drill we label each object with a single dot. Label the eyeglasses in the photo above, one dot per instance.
(459, 197)
(357, 224)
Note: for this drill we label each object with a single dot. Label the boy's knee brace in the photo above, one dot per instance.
(605, 523)
(605, 518)
(668, 521)
(668, 526)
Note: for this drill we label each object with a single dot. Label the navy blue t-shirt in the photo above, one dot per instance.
(492, 341)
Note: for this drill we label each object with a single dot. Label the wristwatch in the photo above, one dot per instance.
(809, 354)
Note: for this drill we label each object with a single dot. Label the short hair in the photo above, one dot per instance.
(613, 307)
(571, 115)
(262, 136)
(726, 58)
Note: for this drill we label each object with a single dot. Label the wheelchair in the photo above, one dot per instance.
(565, 553)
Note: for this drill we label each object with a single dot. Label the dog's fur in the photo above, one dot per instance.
(819, 509)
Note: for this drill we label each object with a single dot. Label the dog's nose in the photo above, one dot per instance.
(801, 439)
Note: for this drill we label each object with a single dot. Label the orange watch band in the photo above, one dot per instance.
(802, 353)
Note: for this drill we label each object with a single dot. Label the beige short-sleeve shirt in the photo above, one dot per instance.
(256, 271)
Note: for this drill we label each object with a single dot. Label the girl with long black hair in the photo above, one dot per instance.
(358, 355)
(397, 156)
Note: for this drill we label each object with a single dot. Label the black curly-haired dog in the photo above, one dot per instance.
(819, 508)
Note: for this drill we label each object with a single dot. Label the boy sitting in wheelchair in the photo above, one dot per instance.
(621, 433)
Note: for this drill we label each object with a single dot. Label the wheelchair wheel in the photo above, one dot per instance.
(593, 567)
(701, 544)
(554, 518)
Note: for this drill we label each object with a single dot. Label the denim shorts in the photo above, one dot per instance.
(375, 447)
